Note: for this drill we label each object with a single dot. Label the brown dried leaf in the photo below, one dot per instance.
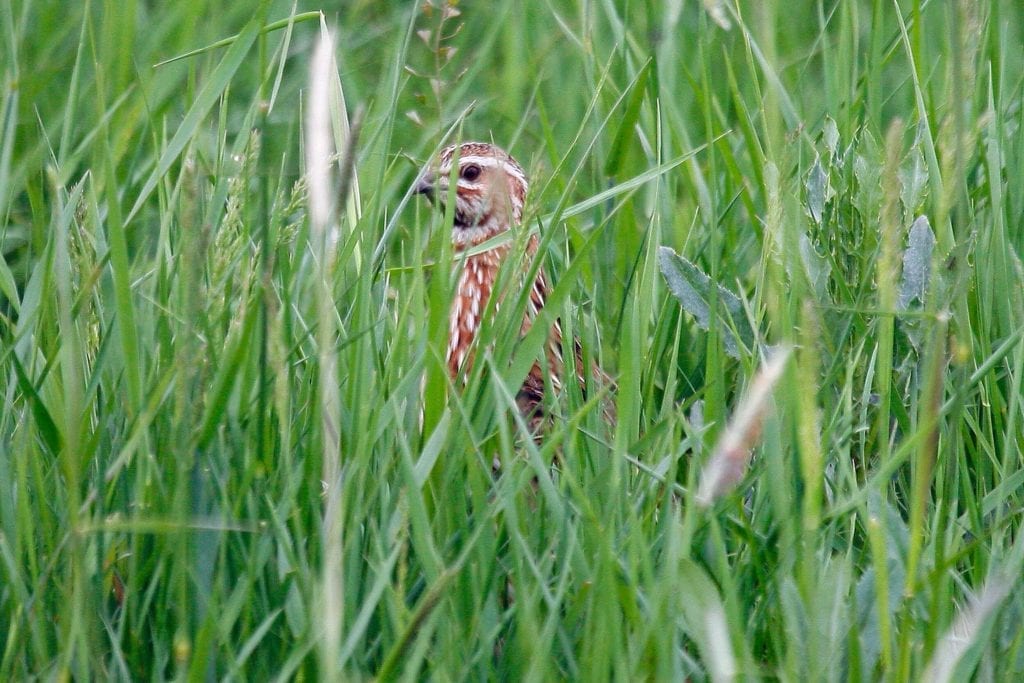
(729, 462)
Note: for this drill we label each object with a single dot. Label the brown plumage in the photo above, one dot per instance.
(489, 195)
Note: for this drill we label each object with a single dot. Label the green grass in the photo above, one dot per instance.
(227, 453)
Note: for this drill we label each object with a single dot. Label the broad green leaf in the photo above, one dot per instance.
(7, 285)
(705, 617)
(914, 178)
(625, 132)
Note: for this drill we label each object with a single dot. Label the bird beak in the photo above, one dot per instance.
(424, 186)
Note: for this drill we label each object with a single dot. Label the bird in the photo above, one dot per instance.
(490, 193)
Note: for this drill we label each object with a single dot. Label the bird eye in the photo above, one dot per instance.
(471, 172)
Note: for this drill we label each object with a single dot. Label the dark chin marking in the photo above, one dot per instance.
(461, 221)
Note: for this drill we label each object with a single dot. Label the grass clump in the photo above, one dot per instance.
(229, 447)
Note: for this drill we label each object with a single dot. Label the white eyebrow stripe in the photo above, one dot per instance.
(485, 160)
(491, 162)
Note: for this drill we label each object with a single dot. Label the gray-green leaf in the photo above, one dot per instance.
(914, 178)
(817, 267)
(818, 191)
(830, 133)
(917, 263)
(693, 288)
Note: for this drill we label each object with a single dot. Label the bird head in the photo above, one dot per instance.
(490, 189)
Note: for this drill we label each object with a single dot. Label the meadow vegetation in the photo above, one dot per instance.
(229, 447)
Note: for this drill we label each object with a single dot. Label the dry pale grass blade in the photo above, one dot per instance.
(965, 631)
(345, 131)
(721, 658)
(729, 461)
(716, 9)
(318, 144)
(323, 245)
